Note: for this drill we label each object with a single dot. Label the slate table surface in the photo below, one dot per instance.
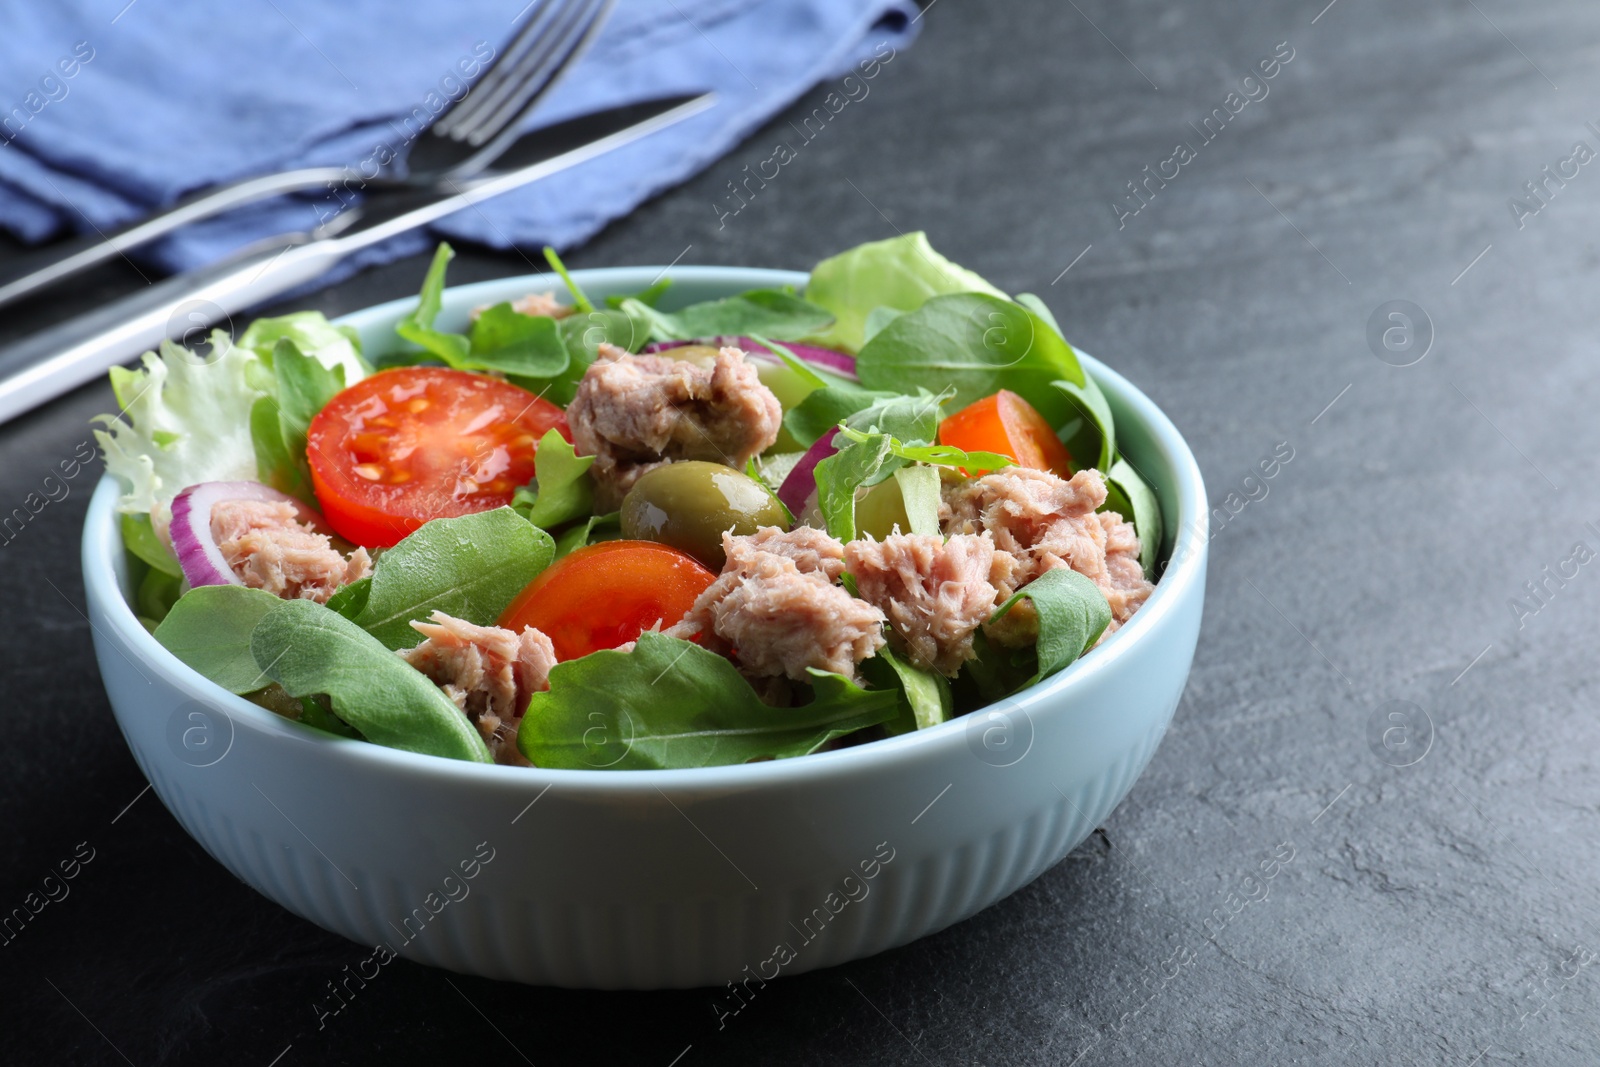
(1300, 876)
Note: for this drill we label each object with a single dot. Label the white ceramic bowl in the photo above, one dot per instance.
(652, 879)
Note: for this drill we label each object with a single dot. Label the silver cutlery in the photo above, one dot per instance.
(50, 363)
(462, 140)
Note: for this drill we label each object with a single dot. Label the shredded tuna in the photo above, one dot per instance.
(1042, 522)
(634, 413)
(268, 547)
(936, 593)
(776, 609)
(488, 671)
(536, 304)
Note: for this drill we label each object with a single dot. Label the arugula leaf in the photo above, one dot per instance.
(649, 296)
(925, 698)
(209, 629)
(139, 537)
(561, 490)
(802, 370)
(1090, 430)
(1137, 504)
(471, 567)
(580, 302)
(857, 464)
(772, 312)
(1073, 613)
(977, 344)
(417, 327)
(510, 342)
(607, 527)
(278, 422)
(911, 418)
(671, 703)
(901, 273)
(939, 455)
(994, 672)
(824, 409)
(350, 600)
(311, 651)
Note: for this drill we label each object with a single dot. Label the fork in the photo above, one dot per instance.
(461, 141)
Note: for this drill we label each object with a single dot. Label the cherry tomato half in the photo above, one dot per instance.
(418, 443)
(1007, 424)
(607, 595)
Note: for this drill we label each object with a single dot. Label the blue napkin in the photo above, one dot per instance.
(111, 108)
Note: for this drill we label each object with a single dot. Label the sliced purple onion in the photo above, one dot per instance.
(798, 488)
(198, 553)
(838, 362)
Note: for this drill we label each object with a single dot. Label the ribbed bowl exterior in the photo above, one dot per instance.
(643, 880)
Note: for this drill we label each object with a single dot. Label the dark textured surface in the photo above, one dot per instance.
(1440, 912)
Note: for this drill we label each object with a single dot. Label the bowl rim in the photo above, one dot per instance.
(1183, 577)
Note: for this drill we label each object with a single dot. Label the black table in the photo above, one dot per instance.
(1370, 835)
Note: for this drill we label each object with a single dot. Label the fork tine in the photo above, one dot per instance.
(560, 57)
(504, 66)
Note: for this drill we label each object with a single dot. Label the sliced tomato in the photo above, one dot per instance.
(607, 595)
(1007, 424)
(418, 443)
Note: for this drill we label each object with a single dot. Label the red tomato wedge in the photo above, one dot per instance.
(1007, 424)
(418, 443)
(607, 595)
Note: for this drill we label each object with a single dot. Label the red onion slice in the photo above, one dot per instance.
(198, 553)
(827, 358)
(798, 488)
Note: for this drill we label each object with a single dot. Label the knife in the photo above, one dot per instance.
(49, 363)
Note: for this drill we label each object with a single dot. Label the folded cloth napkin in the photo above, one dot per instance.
(110, 108)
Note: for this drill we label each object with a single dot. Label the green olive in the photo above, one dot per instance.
(880, 509)
(689, 505)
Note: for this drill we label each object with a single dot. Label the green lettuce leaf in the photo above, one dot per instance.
(924, 696)
(772, 312)
(561, 490)
(901, 274)
(278, 422)
(312, 651)
(332, 346)
(671, 703)
(1130, 496)
(1073, 613)
(184, 420)
(977, 344)
(471, 567)
(209, 628)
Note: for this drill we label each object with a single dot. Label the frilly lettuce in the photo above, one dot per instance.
(901, 273)
(184, 420)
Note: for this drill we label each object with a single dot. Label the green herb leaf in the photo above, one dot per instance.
(579, 301)
(772, 312)
(1073, 613)
(977, 344)
(925, 698)
(139, 537)
(417, 327)
(607, 527)
(510, 342)
(209, 629)
(310, 651)
(1137, 504)
(1090, 430)
(471, 567)
(671, 703)
(901, 273)
(561, 490)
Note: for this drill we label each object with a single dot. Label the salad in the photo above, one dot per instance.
(631, 534)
